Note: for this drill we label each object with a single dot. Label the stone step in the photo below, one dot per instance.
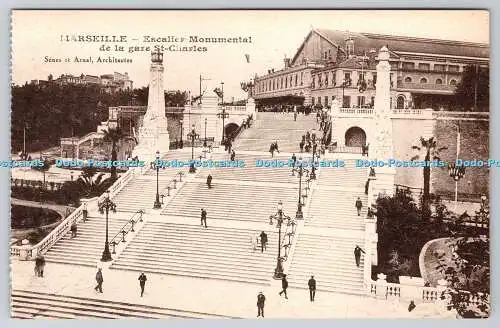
(34, 305)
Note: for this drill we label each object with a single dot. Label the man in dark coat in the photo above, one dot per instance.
(142, 282)
(233, 155)
(203, 217)
(284, 285)
(294, 159)
(411, 306)
(301, 145)
(263, 241)
(358, 205)
(209, 181)
(357, 254)
(39, 265)
(312, 288)
(260, 304)
(99, 279)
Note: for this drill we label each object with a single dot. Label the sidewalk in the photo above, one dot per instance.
(219, 297)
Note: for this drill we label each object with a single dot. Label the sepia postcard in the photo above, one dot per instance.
(250, 164)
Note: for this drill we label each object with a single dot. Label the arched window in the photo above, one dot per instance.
(423, 80)
(400, 102)
(439, 81)
(407, 79)
(453, 82)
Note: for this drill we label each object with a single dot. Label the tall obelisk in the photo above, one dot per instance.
(153, 134)
(382, 140)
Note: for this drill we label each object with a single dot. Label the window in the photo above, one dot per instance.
(453, 82)
(424, 66)
(361, 101)
(319, 100)
(334, 78)
(326, 100)
(312, 101)
(394, 66)
(301, 77)
(439, 67)
(312, 82)
(439, 81)
(407, 79)
(296, 76)
(347, 76)
(453, 68)
(408, 65)
(346, 103)
(326, 79)
(320, 83)
(423, 80)
(286, 83)
(281, 87)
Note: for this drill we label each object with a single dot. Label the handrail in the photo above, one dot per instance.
(138, 218)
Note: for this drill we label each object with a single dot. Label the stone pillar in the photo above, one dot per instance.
(153, 134)
(381, 287)
(411, 288)
(250, 107)
(381, 146)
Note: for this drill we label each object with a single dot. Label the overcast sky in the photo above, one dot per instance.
(36, 34)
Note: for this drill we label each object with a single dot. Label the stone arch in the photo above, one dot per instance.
(230, 128)
(355, 137)
(408, 79)
(400, 102)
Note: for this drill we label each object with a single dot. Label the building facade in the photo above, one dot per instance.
(337, 64)
(108, 82)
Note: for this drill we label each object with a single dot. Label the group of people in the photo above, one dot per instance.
(309, 143)
(99, 279)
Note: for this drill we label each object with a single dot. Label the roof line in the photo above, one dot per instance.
(427, 40)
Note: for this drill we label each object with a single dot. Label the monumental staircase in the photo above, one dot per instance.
(270, 127)
(207, 253)
(172, 241)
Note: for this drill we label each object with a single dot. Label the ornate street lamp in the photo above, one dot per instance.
(105, 206)
(205, 139)
(279, 217)
(457, 172)
(299, 168)
(193, 136)
(223, 115)
(157, 203)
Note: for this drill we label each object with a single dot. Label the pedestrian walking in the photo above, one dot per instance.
(284, 285)
(233, 155)
(260, 304)
(358, 205)
(39, 265)
(301, 145)
(357, 254)
(73, 230)
(294, 159)
(312, 288)
(263, 241)
(295, 115)
(99, 279)
(142, 282)
(411, 306)
(203, 217)
(209, 181)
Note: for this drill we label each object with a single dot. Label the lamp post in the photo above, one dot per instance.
(299, 168)
(182, 132)
(193, 136)
(105, 206)
(222, 91)
(205, 139)
(223, 115)
(456, 172)
(157, 203)
(279, 217)
(484, 212)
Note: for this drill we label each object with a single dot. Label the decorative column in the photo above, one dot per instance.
(381, 146)
(153, 134)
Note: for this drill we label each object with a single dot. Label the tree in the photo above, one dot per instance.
(113, 136)
(473, 90)
(90, 184)
(429, 146)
